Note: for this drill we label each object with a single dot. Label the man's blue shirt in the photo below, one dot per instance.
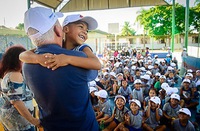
(62, 94)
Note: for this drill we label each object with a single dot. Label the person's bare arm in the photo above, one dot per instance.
(91, 62)
(30, 57)
(19, 105)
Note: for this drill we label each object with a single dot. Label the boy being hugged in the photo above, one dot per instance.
(153, 114)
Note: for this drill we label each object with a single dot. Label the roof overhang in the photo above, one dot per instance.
(85, 5)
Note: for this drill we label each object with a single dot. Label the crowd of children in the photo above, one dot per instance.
(145, 92)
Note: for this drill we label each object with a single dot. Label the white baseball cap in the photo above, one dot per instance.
(169, 68)
(92, 23)
(101, 93)
(189, 74)
(165, 86)
(186, 80)
(120, 96)
(185, 111)
(171, 90)
(155, 99)
(92, 83)
(146, 77)
(172, 64)
(189, 71)
(135, 101)
(41, 19)
(150, 67)
(163, 76)
(137, 81)
(148, 73)
(113, 74)
(184, 48)
(175, 96)
(157, 74)
(92, 89)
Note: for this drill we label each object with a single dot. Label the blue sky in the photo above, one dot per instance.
(12, 13)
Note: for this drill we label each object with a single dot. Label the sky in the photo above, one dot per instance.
(12, 13)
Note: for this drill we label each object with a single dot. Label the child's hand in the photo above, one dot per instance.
(55, 61)
(149, 103)
(41, 59)
(158, 106)
(127, 117)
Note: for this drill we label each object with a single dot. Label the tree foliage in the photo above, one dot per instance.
(20, 26)
(127, 30)
(158, 20)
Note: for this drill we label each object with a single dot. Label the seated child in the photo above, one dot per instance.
(93, 98)
(183, 123)
(170, 110)
(138, 91)
(125, 91)
(103, 107)
(153, 113)
(133, 119)
(152, 93)
(118, 113)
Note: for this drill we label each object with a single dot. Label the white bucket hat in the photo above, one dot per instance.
(41, 19)
(92, 23)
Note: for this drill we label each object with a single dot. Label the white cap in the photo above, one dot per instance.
(41, 19)
(135, 101)
(165, 86)
(155, 56)
(189, 74)
(168, 55)
(120, 96)
(184, 48)
(101, 93)
(133, 67)
(137, 81)
(92, 89)
(171, 90)
(105, 73)
(189, 71)
(146, 77)
(148, 73)
(92, 83)
(150, 67)
(142, 69)
(157, 74)
(175, 96)
(169, 68)
(117, 64)
(113, 74)
(186, 80)
(163, 76)
(119, 74)
(155, 99)
(157, 62)
(173, 64)
(92, 23)
(185, 111)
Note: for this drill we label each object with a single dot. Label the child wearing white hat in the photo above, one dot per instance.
(125, 90)
(133, 119)
(138, 91)
(118, 113)
(183, 123)
(170, 109)
(153, 114)
(103, 107)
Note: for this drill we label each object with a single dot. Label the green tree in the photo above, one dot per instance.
(195, 12)
(127, 30)
(20, 26)
(158, 20)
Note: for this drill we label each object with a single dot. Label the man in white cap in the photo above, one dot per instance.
(183, 123)
(62, 95)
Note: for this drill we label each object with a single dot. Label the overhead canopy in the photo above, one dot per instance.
(84, 5)
(49, 3)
